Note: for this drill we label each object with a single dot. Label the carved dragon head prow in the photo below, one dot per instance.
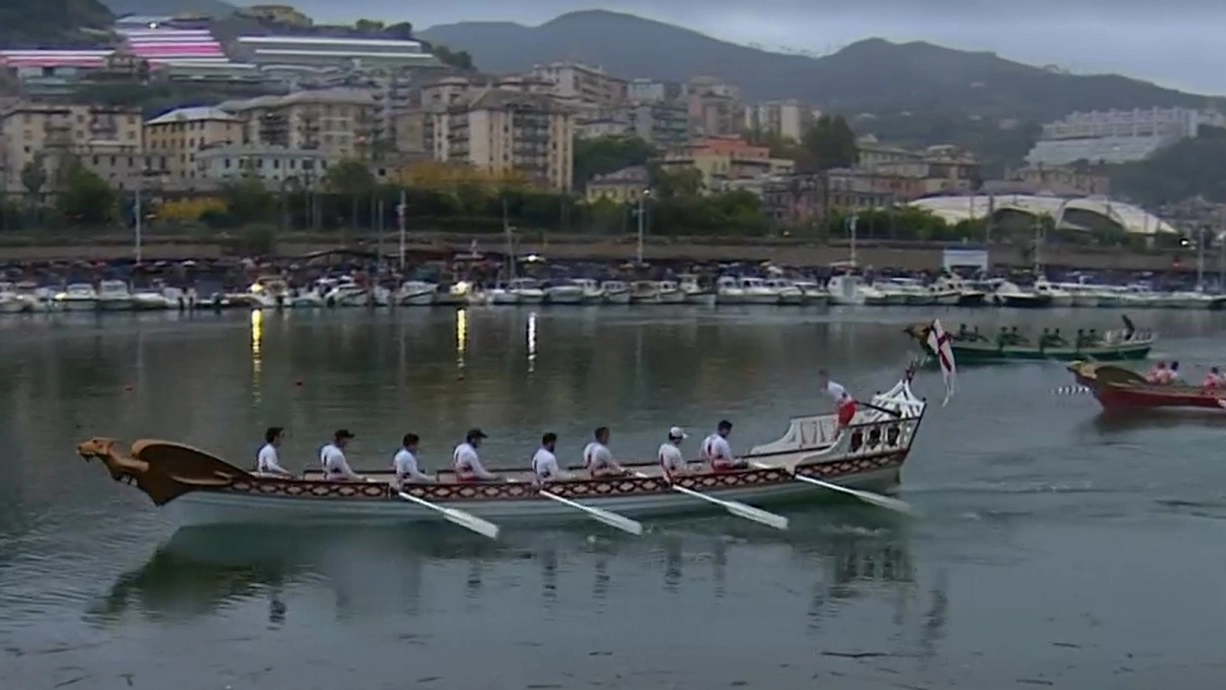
(120, 464)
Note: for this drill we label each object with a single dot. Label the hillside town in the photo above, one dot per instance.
(283, 102)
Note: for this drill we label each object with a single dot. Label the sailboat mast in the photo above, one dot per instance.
(506, 228)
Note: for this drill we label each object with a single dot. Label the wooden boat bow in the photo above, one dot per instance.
(161, 469)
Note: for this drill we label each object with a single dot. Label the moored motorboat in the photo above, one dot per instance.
(1118, 388)
(615, 292)
(669, 292)
(972, 347)
(203, 489)
(415, 293)
(569, 292)
(695, 293)
(592, 294)
(77, 297)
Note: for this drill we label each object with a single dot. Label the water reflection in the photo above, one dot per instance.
(531, 342)
(257, 342)
(461, 337)
(199, 571)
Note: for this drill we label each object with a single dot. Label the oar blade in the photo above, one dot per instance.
(456, 517)
(757, 515)
(886, 502)
(472, 522)
(616, 521)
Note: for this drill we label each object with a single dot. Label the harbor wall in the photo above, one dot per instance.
(790, 252)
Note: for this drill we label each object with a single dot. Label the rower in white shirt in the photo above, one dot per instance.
(845, 405)
(467, 465)
(267, 461)
(332, 458)
(715, 450)
(671, 459)
(405, 463)
(597, 458)
(545, 463)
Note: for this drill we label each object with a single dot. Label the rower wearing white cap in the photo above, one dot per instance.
(468, 466)
(545, 463)
(671, 459)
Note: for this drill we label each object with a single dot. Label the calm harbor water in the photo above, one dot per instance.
(1056, 547)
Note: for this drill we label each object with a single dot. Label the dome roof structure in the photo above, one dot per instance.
(1069, 213)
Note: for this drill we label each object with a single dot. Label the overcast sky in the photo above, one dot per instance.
(1177, 43)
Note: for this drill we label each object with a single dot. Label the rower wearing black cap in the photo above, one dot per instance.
(332, 457)
(467, 465)
(715, 449)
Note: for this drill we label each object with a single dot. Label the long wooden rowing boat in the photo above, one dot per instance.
(203, 489)
(1118, 388)
(1115, 346)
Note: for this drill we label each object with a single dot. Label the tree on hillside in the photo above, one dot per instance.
(351, 179)
(34, 177)
(460, 59)
(1190, 168)
(828, 143)
(87, 199)
(603, 155)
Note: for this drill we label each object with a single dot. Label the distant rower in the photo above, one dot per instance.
(845, 405)
(671, 459)
(468, 466)
(405, 462)
(1213, 379)
(598, 459)
(267, 461)
(1158, 374)
(545, 463)
(332, 457)
(717, 451)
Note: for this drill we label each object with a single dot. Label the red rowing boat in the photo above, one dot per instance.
(1118, 388)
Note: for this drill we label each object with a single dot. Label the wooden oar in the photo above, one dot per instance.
(614, 520)
(458, 517)
(738, 509)
(866, 496)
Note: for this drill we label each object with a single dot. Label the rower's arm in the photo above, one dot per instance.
(346, 470)
(478, 469)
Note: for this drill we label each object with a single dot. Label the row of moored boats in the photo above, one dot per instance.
(845, 289)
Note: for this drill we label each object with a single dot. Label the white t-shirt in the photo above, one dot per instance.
(465, 461)
(596, 457)
(716, 447)
(838, 394)
(266, 461)
(405, 465)
(545, 465)
(334, 463)
(671, 458)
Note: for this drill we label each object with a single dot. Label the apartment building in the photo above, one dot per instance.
(104, 139)
(1061, 181)
(722, 160)
(786, 119)
(584, 83)
(275, 165)
(339, 123)
(173, 139)
(622, 186)
(642, 90)
(508, 132)
(943, 168)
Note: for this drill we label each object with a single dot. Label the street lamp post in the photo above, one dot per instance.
(641, 212)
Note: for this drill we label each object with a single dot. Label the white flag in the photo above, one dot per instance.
(939, 343)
